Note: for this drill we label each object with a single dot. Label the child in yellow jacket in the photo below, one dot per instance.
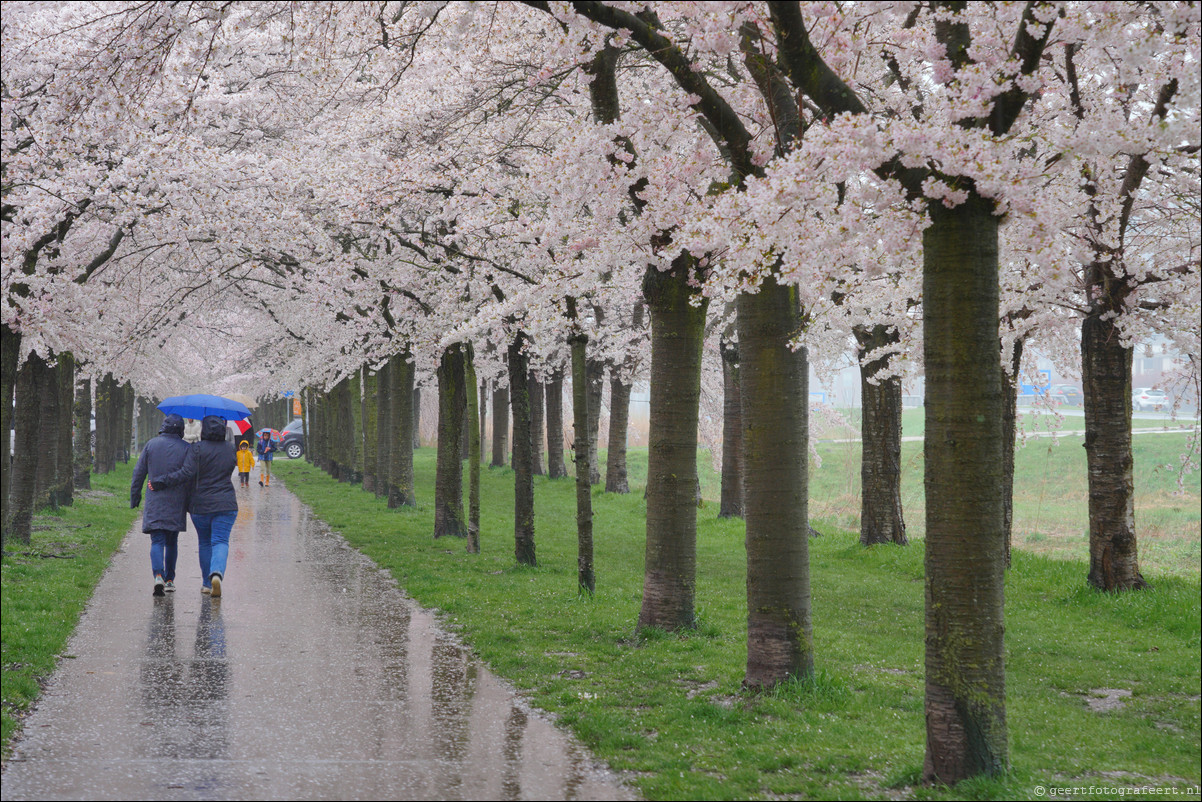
(246, 461)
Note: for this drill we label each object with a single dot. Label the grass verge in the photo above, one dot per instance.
(46, 585)
(1101, 690)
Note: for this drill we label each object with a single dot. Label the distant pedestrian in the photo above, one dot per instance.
(266, 450)
(214, 502)
(191, 430)
(167, 465)
(246, 461)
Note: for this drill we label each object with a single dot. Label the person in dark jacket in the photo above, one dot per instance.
(214, 502)
(265, 448)
(169, 465)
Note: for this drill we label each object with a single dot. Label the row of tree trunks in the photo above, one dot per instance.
(43, 464)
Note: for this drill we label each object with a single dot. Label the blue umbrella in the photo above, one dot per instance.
(199, 405)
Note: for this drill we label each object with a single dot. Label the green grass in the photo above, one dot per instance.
(46, 584)
(670, 710)
(1050, 513)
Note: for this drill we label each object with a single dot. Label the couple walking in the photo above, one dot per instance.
(187, 478)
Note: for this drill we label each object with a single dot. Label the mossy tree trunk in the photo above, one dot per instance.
(1106, 386)
(384, 433)
(500, 426)
(23, 485)
(619, 424)
(596, 386)
(523, 451)
(963, 451)
(448, 483)
(369, 410)
(775, 398)
(677, 328)
(585, 575)
(475, 437)
(49, 420)
(731, 504)
(538, 424)
(881, 519)
(10, 352)
(1010, 386)
(82, 443)
(401, 490)
(556, 467)
(64, 479)
(106, 387)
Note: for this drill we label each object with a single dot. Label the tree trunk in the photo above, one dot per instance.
(881, 519)
(354, 396)
(523, 452)
(125, 426)
(619, 424)
(416, 427)
(1106, 385)
(82, 445)
(596, 385)
(677, 328)
(731, 505)
(500, 426)
(10, 352)
(585, 576)
(384, 433)
(775, 399)
(49, 419)
(401, 490)
(1010, 385)
(369, 410)
(26, 412)
(963, 450)
(556, 467)
(64, 479)
(475, 437)
(105, 389)
(538, 425)
(448, 485)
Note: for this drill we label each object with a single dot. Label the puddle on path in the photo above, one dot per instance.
(313, 677)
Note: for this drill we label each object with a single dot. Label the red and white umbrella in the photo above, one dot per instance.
(238, 427)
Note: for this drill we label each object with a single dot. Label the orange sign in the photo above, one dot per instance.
(296, 407)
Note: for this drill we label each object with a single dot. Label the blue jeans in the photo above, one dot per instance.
(213, 539)
(164, 549)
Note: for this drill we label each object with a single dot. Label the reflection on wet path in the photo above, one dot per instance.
(313, 677)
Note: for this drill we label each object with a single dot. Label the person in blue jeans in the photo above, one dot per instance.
(214, 502)
(167, 466)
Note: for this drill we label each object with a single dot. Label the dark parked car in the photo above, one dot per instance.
(292, 439)
(1066, 395)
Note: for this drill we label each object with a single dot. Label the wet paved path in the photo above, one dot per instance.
(314, 677)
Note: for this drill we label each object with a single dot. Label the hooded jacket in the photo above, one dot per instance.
(164, 456)
(216, 462)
